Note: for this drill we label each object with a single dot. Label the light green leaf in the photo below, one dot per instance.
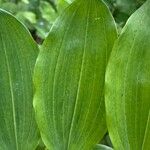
(18, 52)
(69, 77)
(102, 147)
(128, 85)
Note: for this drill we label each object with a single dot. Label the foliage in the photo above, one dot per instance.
(127, 85)
(39, 15)
(122, 9)
(70, 89)
(18, 53)
(72, 84)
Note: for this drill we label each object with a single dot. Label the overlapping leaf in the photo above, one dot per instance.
(18, 52)
(69, 77)
(128, 85)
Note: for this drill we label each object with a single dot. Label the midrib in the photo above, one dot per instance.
(12, 95)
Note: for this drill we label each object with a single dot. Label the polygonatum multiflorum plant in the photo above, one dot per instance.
(63, 91)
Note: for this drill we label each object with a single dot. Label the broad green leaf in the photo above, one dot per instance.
(128, 85)
(102, 147)
(18, 52)
(69, 77)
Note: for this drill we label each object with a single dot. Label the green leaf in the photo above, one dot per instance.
(102, 147)
(128, 85)
(69, 77)
(18, 52)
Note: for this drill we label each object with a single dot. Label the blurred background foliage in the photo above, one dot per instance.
(122, 9)
(39, 15)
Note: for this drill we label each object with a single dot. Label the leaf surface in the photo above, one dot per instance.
(18, 52)
(128, 85)
(69, 77)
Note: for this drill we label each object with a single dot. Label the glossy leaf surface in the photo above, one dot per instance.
(128, 85)
(69, 77)
(18, 52)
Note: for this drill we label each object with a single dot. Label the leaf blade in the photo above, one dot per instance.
(75, 61)
(127, 84)
(18, 53)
